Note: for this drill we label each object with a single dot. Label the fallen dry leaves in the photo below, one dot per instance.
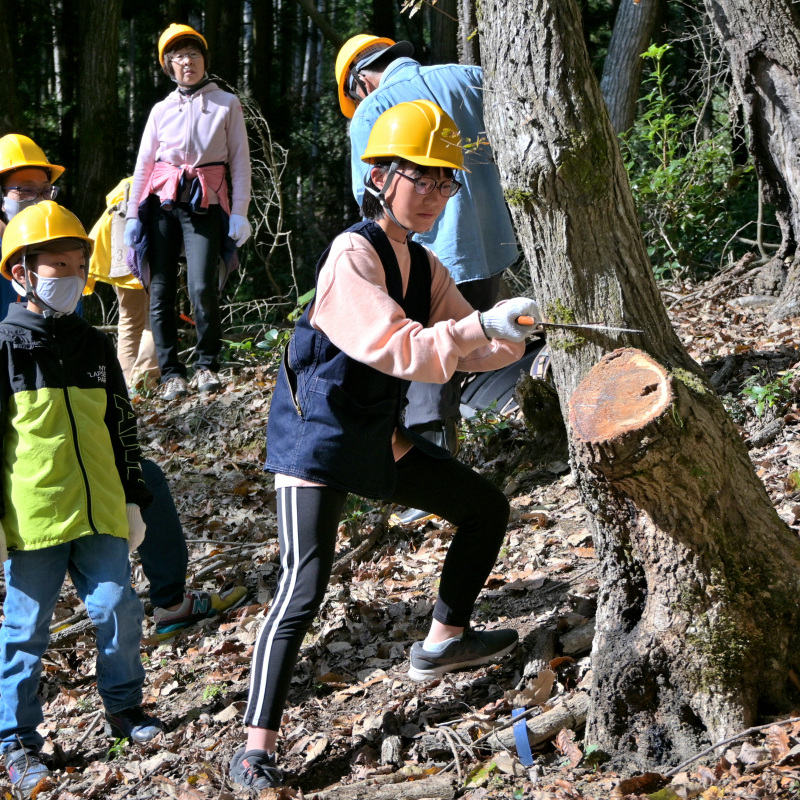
(350, 699)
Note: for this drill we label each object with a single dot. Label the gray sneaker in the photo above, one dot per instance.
(255, 769)
(205, 380)
(25, 769)
(174, 388)
(471, 650)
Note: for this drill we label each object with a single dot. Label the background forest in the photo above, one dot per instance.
(80, 79)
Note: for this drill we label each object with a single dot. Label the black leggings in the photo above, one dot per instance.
(308, 518)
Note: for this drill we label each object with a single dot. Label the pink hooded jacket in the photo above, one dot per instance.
(187, 131)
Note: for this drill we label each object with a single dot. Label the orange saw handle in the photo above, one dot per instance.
(523, 320)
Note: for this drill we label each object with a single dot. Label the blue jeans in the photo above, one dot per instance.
(99, 567)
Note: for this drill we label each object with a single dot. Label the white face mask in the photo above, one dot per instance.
(60, 294)
(12, 207)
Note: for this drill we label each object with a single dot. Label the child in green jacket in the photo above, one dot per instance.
(72, 487)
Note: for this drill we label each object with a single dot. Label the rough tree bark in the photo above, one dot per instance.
(622, 69)
(698, 607)
(762, 41)
(98, 170)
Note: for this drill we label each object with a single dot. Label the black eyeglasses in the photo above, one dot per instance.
(425, 185)
(31, 192)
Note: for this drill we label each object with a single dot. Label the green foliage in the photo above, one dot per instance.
(117, 750)
(213, 691)
(485, 424)
(683, 183)
(763, 391)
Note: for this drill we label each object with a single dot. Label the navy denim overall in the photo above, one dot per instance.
(331, 418)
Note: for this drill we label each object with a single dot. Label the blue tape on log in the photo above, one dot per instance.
(521, 738)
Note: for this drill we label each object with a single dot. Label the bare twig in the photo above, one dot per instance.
(742, 735)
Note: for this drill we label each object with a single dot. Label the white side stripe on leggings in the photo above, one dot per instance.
(290, 554)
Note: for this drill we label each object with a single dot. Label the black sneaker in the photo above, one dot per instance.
(471, 650)
(133, 724)
(25, 769)
(255, 769)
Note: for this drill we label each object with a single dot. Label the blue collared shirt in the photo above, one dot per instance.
(473, 237)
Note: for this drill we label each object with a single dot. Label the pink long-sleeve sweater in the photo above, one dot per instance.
(189, 130)
(353, 309)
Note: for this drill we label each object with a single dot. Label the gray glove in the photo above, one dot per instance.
(129, 237)
(500, 322)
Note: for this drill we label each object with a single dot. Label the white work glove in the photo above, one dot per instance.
(136, 526)
(239, 229)
(500, 322)
(129, 237)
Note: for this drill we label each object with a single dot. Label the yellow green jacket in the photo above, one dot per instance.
(70, 455)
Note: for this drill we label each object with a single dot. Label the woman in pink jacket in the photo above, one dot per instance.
(193, 138)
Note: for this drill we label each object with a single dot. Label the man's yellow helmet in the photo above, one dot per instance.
(358, 52)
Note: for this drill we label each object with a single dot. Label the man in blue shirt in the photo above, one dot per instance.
(474, 237)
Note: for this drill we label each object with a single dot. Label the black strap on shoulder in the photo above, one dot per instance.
(374, 234)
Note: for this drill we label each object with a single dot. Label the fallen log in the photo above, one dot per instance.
(437, 787)
(569, 713)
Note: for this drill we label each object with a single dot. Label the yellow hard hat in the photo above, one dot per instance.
(18, 151)
(172, 33)
(37, 224)
(418, 131)
(363, 49)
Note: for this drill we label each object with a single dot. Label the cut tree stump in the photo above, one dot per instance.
(698, 608)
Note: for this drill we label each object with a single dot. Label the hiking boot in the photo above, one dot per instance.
(471, 650)
(255, 769)
(174, 388)
(25, 768)
(205, 381)
(134, 724)
(196, 605)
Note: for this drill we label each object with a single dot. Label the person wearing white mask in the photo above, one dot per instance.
(180, 197)
(26, 178)
(72, 488)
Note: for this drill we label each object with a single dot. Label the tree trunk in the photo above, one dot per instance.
(10, 111)
(263, 78)
(444, 32)
(622, 70)
(223, 30)
(469, 48)
(98, 170)
(762, 41)
(698, 608)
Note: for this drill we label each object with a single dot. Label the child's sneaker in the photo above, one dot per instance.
(134, 724)
(472, 649)
(196, 605)
(255, 769)
(25, 769)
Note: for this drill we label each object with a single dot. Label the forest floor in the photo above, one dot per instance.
(355, 725)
